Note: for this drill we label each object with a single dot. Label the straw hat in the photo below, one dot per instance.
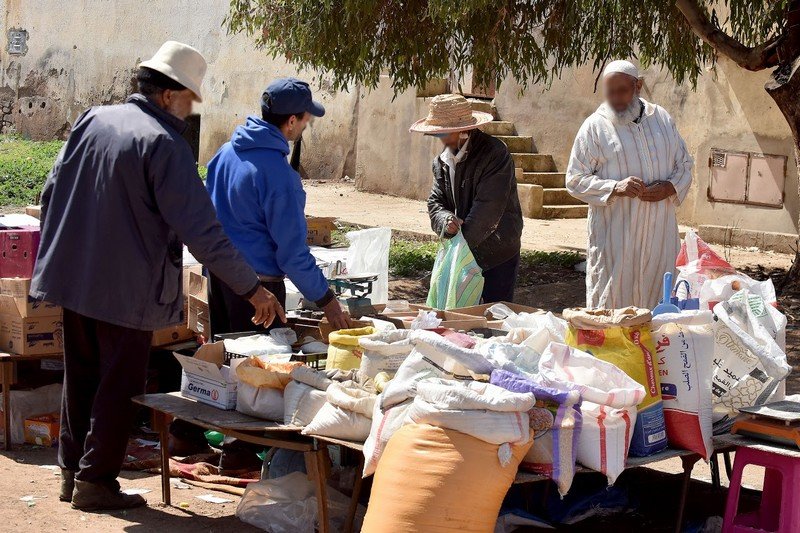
(450, 113)
(181, 63)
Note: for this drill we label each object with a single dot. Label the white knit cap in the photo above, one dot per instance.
(622, 67)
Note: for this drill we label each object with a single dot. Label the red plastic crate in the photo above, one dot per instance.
(18, 248)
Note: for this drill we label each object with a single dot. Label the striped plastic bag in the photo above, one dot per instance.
(457, 280)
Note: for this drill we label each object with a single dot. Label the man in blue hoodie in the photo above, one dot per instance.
(260, 202)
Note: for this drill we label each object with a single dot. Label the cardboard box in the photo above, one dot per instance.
(18, 248)
(32, 336)
(14, 300)
(42, 430)
(206, 379)
(481, 310)
(172, 335)
(199, 317)
(450, 320)
(319, 230)
(34, 210)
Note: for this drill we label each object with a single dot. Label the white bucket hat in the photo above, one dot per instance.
(181, 63)
(450, 113)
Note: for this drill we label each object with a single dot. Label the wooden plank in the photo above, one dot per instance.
(353, 445)
(37, 357)
(193, 411)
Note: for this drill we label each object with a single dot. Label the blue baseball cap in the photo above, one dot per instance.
(288, 96)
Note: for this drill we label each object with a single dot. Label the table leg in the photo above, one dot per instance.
(315, 465)
(728, 467)
(713, 464)
(351, 511)
(161, 424)
(8, 377)
(688, 465)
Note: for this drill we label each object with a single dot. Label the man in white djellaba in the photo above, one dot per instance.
(630, 164)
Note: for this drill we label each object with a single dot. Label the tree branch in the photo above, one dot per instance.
(758, 57)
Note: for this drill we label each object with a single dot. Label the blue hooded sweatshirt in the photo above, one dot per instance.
(261, 203)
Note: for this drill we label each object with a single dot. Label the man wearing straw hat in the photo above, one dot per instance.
(123, 196)
(630, 164)
(475, 192)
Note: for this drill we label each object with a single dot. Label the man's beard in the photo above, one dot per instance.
(630, 113)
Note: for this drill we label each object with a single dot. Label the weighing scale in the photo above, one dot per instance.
(777, 422)
(359, 287)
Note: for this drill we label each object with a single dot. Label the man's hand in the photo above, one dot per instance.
(631, 187)
(655, 192)
(453, 225)
(267, 308)
(337, 317)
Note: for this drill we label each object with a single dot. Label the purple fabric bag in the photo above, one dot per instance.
(556, 421)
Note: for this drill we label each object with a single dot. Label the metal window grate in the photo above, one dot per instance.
(719, 159)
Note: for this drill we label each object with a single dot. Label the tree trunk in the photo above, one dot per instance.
(784, 88)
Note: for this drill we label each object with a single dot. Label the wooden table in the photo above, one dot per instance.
(167, 407)
(8, 361)
(723, 444)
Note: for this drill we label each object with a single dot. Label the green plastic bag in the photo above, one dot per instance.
(457, 280)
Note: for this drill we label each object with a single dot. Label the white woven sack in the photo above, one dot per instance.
(384, 351)
(301, 403)
(260, 402)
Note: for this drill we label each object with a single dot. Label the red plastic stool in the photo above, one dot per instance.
(780, 498)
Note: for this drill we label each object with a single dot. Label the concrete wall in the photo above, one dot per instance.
(85, 52)
(729, 110)
(389, 158)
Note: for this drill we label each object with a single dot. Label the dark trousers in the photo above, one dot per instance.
(499, 282)
(104, 367)
(231, 313)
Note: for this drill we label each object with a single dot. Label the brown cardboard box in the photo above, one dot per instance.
(480, 310)
(172, 335)
(450, 320)
(199, 316)
(32, 336)
(319, 230)
(34, 210)
(42, 430)
(14, 300)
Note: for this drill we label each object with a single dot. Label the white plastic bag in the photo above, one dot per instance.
(482, 410)
(279, 341)
(384, 351)
(288, 504)
(608, 409)
(749, 361)
(721, 289)
(369, 254)
(346, 415)
(28, 403)
(685, 348)
(426, 320)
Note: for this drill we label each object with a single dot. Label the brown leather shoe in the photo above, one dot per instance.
(103, 497)
(67, 485)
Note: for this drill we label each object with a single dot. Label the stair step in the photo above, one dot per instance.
(534, 162)
(499, 127)
(559, 197)
(517, 143)
(565, 211)
(552, 180)
(481, 105)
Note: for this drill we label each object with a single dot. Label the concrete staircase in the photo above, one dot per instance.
(542, 189)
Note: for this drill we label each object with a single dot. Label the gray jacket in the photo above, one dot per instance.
(123, 196)
(485, 199)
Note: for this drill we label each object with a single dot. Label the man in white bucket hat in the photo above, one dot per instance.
(630, 164)
(122, 198)
(475, 192)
